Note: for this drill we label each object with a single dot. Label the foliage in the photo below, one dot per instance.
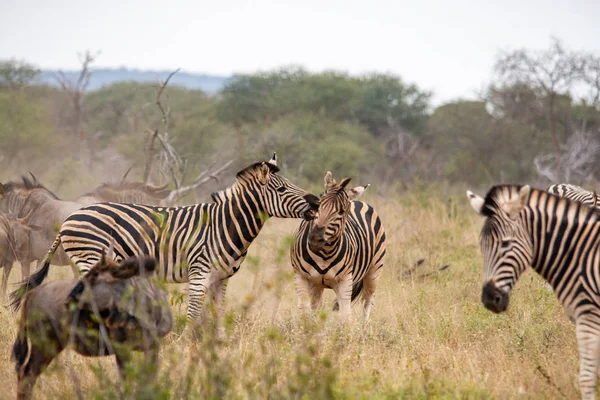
(16, 74)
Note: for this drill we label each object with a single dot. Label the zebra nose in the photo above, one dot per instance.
(312, 200)
(493, 298)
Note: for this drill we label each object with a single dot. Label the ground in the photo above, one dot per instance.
(428, 337)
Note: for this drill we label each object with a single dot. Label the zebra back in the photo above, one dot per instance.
(576, 193)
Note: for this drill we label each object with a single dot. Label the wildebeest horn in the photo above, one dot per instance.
(25, 219)
(158, 188)
(125, 175)
(33, 176)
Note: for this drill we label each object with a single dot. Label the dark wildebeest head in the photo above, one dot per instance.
(114, 308)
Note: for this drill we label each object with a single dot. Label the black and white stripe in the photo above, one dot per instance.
(203, 244)
(558, 238)
(576, 193)
(342, 249)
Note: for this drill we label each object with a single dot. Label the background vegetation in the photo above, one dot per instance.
(429, 337)
(537, 122)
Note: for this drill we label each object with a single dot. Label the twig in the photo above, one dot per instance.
(434, 272)
(549, 380)
(409, 272)
(200, 180)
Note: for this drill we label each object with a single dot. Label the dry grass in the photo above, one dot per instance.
(429, 337)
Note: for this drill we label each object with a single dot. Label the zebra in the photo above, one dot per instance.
(202, 244)
(560, 240)
(342, 249)
(576, 193)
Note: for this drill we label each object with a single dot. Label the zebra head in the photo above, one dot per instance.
(504, 242)
(334, 207)
(278, 197)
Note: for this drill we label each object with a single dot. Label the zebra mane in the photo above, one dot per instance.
(272, 168)
(497, 195)
(220, 196)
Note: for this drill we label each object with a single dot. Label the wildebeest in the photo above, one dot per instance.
(126, 192)
(14, 246)
(44, 210)
(113, 309)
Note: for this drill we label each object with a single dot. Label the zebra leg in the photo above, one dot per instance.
(309, 295)
(199, 277)
(588, 340)
(343, 291)
(218, 291)
(369, 287)
(214, 306)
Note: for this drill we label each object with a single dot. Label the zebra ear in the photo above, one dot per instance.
(264, 173)
(477, 202)
(345, 182)
(328, 180)
(355, 193)
(517, 203)
(273, 160)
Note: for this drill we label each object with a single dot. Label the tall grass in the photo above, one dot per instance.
(428, 337)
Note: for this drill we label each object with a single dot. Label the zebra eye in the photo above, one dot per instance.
(281, 189)
(341, 212)
(505, 243)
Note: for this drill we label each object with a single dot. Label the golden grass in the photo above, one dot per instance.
(429, 337)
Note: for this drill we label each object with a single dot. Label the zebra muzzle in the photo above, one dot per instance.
(493, 298)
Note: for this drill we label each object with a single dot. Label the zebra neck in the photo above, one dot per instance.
(329, 248)
(240, 211)
(561, 238)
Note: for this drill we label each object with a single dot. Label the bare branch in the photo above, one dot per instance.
(170, 160)
(202, 179)
(578, 157)
(149, 154)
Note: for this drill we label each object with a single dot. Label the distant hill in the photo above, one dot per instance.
(105, 76)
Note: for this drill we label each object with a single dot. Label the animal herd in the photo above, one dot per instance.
(120, 238)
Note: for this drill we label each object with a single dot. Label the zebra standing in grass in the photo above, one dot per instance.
(577, 193)
(560, 239)
(203, 244)
(341, 249)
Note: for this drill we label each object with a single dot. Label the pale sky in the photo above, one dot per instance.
(445, 46)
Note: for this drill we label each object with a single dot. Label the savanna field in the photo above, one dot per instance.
(428, 337)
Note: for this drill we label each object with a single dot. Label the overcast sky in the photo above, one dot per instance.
(444, 46)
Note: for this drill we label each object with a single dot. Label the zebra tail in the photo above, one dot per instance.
(34, 280)
(356, 291)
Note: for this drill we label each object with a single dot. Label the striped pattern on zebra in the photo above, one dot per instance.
(342, 249)
(203, 244)
(576, 193)
(560, 240)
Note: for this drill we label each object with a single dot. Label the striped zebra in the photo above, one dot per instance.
(341, 249)
(558, 238)
(574, 192)
(203, 244)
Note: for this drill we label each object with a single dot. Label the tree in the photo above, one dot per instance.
(550, 74)
(17, 74)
